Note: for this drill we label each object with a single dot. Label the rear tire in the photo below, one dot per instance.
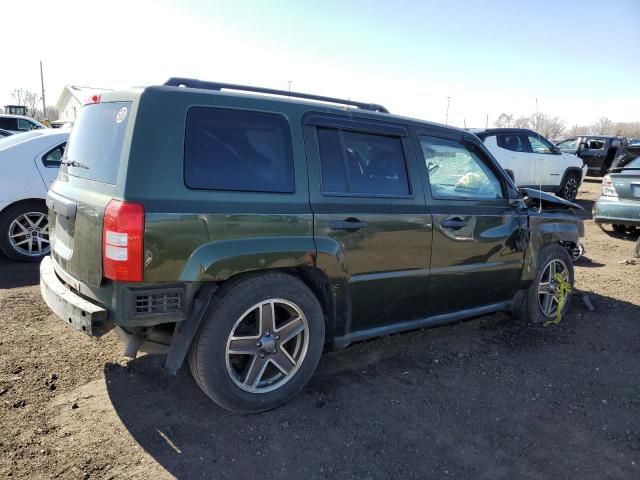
(569, 188)
(24, 231)
(540, 294)
(260, 343)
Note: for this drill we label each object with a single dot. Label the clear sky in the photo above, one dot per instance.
(580, 59)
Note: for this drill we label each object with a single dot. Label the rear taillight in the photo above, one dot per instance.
(123, 241)
(608, 190)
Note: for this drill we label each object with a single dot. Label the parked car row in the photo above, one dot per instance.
(247, 233)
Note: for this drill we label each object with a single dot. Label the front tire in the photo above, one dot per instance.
(540, 301)
(569, 188)
(260, 343)
(24, 231)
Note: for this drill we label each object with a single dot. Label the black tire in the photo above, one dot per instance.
(569, 188)
(6, 221)
(529, 309)
(208, 359)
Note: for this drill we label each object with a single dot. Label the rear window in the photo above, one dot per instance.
(238, 150)
(8, 123)
(95, 143)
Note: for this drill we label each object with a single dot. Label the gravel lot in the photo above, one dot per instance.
(489, 398)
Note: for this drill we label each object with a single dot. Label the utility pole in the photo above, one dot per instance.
(446, 122)
(44, 104)
(289, 82)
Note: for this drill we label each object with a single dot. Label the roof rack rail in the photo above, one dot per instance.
(194, 83)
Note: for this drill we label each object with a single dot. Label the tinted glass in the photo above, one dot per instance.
(540, 144)
(511, 142)
(8, 123)
(457, 172)
(238, 150)
(96, 141)
(354, 162)
(53, 157)
(595, 144)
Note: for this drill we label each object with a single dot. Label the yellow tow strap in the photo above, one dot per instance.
(564, 289)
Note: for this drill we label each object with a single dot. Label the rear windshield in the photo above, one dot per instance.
(96, 141)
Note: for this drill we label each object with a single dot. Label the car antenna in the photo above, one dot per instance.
(538, 159)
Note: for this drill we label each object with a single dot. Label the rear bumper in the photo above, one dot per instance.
(619, 211)
(71, 308)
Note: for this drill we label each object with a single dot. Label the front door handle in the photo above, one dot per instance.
(453, 223)
(350, 224)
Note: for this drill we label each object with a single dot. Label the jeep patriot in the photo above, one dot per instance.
(245, 230)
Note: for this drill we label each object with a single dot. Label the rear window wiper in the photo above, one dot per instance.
(73, 163)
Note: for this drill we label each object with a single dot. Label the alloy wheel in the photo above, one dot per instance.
(570, 191)
(548, 291)
(267, 346)
(29, 234)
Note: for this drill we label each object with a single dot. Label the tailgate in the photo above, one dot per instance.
(75, 230)
(85, 185)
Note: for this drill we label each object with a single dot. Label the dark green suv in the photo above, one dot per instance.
(250, 229)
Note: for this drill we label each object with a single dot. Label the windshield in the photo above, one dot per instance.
(572, 144)
(19, 138)
(95, 144)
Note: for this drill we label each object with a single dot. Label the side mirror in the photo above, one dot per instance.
(511, 175)
(583, 146)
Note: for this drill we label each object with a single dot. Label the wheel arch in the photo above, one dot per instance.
(20, 202)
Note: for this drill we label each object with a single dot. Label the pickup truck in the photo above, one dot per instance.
(597, 151)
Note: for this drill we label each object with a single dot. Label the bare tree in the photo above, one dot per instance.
(603, 126)
(504, 120)
(18, 94)
(27, 99)
(522, 122)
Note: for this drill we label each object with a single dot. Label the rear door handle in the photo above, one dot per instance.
(453, 223)
(350, 224)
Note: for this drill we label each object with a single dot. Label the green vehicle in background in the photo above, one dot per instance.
(249, 229)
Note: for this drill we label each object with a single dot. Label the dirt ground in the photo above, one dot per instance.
(486, 399)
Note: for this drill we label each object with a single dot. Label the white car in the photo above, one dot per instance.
(534, 161)
(19, 123)
(29, 163)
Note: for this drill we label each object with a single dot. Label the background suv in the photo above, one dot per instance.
(250, 232)
(534, 160)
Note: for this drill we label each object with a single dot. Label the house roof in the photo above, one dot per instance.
(80, 93)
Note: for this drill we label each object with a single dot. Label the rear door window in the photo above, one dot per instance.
(512, 142)
(362, 163)
(238, 150)
(96, 141)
